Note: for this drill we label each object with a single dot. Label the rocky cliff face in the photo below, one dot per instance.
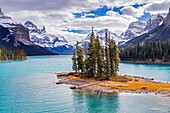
(21, 32)
(9, 41)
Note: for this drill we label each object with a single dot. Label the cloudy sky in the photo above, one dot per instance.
(74, 18)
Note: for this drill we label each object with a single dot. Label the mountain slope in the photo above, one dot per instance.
(8, 41)
(134, 29)
(101, 34)
(15, 36)
(138, 28)
(161, 32)
(54, 43)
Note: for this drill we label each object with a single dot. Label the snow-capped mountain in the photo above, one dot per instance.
(138, 28)
(159, 33)
(134, 29)
(153, 22)
(102, 37)
(102, 34)
(55, 43)
(15, 36)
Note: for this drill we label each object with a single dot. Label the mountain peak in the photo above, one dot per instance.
(1, 13)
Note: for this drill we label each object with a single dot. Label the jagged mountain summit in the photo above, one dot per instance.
(161, 32)
(102, 38)
(153, 22)
(134, 29)
(54, 43)
(15, 36)
(138, 28)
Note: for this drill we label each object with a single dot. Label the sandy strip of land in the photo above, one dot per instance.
(132, 85)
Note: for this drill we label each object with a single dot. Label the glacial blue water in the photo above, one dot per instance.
(29, 87)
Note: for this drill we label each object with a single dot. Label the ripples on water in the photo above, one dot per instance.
(28, 86)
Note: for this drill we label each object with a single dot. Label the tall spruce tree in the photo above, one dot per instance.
(107, 57)
(74, 60)
(116, 58)
(112, 52)
(91, 57)
(99, 58)
(80, 59)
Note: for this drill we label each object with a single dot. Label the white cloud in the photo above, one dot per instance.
(113, 21)
(57, 15)
(156, 7)
(131, 11)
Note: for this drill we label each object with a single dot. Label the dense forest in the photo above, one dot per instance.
(149, 52)
(100, 62)
(6, 54)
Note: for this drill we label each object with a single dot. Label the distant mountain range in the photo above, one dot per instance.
(15, 36)
(55, 43)
(36, 41)
(36, 37)
(138, 28)
(161, 32)
(134, 29)
(101, 34)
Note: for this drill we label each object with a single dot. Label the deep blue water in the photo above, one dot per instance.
(29, 87)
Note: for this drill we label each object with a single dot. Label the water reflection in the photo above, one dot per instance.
(92, 103)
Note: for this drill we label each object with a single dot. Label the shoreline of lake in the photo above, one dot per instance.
(143, 85)
(146, 62)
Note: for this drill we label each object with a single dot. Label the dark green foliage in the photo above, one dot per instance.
(91, 57)
(99, 58)
(78, 59)
(149, 52)
(107, 57)
(74, 59)
(99, 62)
(17, 54)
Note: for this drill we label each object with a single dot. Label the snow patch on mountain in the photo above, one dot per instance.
(138, 28)
(134, 29)
(102, 38)
(40, 37)
(54, 43)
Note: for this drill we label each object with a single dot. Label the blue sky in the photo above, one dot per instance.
(102, 12)
(73, 19)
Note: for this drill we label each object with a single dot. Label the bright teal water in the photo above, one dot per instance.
(28, 86)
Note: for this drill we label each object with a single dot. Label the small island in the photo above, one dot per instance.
(7, 54)
(118, 84)
(96, 71)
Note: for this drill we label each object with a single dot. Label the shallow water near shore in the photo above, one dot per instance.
(29, 86)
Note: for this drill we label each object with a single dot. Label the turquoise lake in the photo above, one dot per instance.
(29, 87)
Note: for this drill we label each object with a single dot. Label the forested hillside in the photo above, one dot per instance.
(6, 54)
(149, 52)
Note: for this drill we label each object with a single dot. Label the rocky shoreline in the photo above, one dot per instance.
(106, 87)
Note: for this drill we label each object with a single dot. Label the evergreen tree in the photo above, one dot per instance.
(74, 59)
(116, 58)
(91, 57)
(80, 59)
(99, 58)
(107, 57)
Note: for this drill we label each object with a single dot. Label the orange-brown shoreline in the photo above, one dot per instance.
(139, 85)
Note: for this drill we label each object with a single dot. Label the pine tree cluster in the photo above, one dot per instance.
(99, 61)
(149, 52)
(6, 54)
